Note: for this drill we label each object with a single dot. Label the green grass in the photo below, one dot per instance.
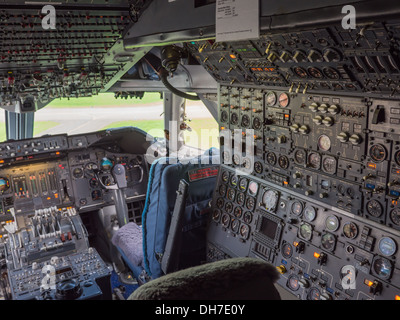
(103, 100)
(40, 126)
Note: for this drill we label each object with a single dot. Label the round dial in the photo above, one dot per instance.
(228, 207)
(300, 156)
(331, 73)
(350, 230)
(236, 159)
(225, 176)
(258, 168)
(314, 160)
(224, 116)
(293, 282)
(90, 167)
(374, 208)
(256, 123)
(96, 195)
(283, 100)
(332, 223)
(315, 73)
(305, 231)
(244, 231)
(329, 164)
(240, 198)
(230, 194)
(283, 162)
(270, 199)
(397, 158)
(234, 118)
(243, 184)
(270, 99)
(77, 173)
(238, 212)
(297, 208)
(222, 190)
(253, 188)
(395, 216)
(328, 241)
(382, 267)
(309, 213)
(234, 181)
(245, 121)
(324, 142)
(271, 158)
(216, 215)
(300, 72)
(247, 217)
(4, 184)
(106, 164)
(387, 246)
(314, 294)
(377, 153)
(287, 250)
(220, 202)
(235, 223)
(225, 220)
(250, 203)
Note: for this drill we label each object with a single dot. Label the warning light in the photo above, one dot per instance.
(232, 56)
(58, 152)
(397, 297)
(295, 243)
(369, 283)
(316, 255)
(371, 165)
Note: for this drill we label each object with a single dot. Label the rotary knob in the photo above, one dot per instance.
(323, 108)
(318, 120)
(294, 127)
(304, 129)
(333, 109)
(328, 121)
(343, 137)
(355, 139)
(299, 56)
(313, 107)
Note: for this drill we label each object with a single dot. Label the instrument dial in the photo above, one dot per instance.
(293, 282)
(315, 73)
(395, 216)
(382, 267)
(300, 72)
(324, 142)
(374, 208)
(78, 173)
(258, 168)
(106, 164)
(306, 231)
(378, 153)
(314, 160)
(314, 294)
(287, 250)
(350, 230)
(238, 212)
(225, 176)
(244, 231)
(283, 162)
(4, 185)
(297, 208)
(387, 246)
(283, 100)
(271, 158)
(300, 156)
(243, 184)
(397, 158)
(253, 188)
(328, 241)
(331, 73)
(270, 99)
(332, 223)
(329, 164)
(270, 199)
(309, 213)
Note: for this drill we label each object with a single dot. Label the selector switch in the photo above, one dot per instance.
(343, 137)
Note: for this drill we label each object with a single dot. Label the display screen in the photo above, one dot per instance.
(268, 228)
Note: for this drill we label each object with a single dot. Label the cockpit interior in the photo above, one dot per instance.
(200, 150)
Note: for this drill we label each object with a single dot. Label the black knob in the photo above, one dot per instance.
(68, 289)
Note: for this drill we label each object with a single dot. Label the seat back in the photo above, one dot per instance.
(165, 174)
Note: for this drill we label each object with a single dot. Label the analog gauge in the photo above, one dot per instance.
(374, 208)
(77, 173)
(247, 217)
(350, 192)
(245, 121)
(244, 231)
(350, 230)
(228, 207)
(225, 176)
(377, 153)
(106, 164)
(270, 199)
(300, 156)
(283, 162)
(235, 225)
(224, 116)
(328, 241)
(314, 160)
(258, 168)
(234, 118)
(341, 189)
(91, 167)
(234, 181)
(243, 184)
(332, 223)
(253, 188)
(225, 220)
(293, 282)
(329, 164)
(297, 208)
(94, 183)
(231, 194)
(238, 212)
(216, 215)
(240, 198)
(314, 294)
(236, 159)
(397, 158)
(309, 213)
(222, 190)
(305, 231)
(395, 216)
(287, 250)
(270, 99)
(283, 100)
(324, 142)
(96, 195)
(220, 203)
(271, 158)
(256, 123)
(4, 184)
(387, 246)
(315, 73)
(331, 73)
(300, 72)
(382, 267)
(250, 203)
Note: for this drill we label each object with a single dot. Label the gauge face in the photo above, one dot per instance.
(240, 198)
(350, 230)
(245, 121)
(374, 208)
(324, 142)
(283, 100)
(315, 73)
(234, 181)
(331, 73)
(300, 156)
(90, 167)
(253, 188)
(243, 184)
(382, 267)
(270, 199)
(270, 99)
(222, 190)
(328, 241)
(230, 194)
(250, 203)
(256, 123)
(309, 213)
(247, 217)
(225, 176)
(283, 162)
(96, 195)
(300, 72)
(236, 159)
(238, 212)
(216, 215)
(106, 164)
(244, 231)
(228, 207)
(234, 118)
(287, 250)
(395, 216)
(4, 184)
(314, 294)
(220, 203)
(329, 164)
(377, 153)
(387, 246)
(93, 183)
(77, 173)
(332, 223)
(293, 282)
(258, 168)
(224, 116)
(397, 158)
(225, 220)
(226, 156)
(305, 231)
(271, 158)
(297, 208)
(235, 225)
(314, 160)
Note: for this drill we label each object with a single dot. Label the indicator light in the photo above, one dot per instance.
(232, 56)
(371, 165)
(397, 297)
(369, 283)
(316, 255)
